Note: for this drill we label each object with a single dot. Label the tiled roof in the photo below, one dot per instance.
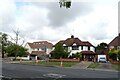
(115, 41)
(71, 41)
(87, 43)
(87, 52)
(37, 52)
(77, 41)
(41, 44)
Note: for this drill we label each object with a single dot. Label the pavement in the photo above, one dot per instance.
(82, 65)
(101, 66)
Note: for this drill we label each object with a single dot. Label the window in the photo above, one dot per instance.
(75, 48)
(43, 49)
(65, 47)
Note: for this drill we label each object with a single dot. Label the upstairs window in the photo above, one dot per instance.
(75, 47)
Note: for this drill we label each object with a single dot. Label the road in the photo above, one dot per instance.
(34, 71)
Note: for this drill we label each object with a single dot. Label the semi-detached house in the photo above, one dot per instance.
(38, 50)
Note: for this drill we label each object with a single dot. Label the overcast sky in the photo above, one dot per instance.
(95, 21)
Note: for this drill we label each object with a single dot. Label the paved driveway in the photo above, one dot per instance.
(106, 66)
(101, 66)
(82, 65)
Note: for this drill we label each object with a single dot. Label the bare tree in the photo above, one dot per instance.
(16, 39)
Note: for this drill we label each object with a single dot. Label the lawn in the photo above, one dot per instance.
(64, 64)
(93, 65)
(116, 66)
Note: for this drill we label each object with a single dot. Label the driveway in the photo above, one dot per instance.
(101, 66)
(105, 66)
(82, 65)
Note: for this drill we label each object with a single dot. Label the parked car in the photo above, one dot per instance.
(102, 59)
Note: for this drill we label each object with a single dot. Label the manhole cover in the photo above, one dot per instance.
(53, 75)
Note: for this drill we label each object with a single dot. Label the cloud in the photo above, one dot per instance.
(7, 12)
(89, 21)
(60, 16)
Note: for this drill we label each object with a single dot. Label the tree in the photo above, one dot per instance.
(100, 49)
(16, 39)
(113, 53)
(118, 55)
(59, 52)
(65, 3)
(4, 43)
(78, 55)
(11, 50)
(102, 46)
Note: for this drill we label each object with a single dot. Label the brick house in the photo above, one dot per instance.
(115, 43)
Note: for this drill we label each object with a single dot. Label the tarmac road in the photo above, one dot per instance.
(36, 71)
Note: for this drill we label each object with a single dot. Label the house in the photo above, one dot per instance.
(75, 45)
(115, 43)
(38, 50)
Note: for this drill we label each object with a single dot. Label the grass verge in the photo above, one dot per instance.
(64, 64)
(116, 66)
(93, 65)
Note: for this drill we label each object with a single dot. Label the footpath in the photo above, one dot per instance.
(82, 65)
(101, 67)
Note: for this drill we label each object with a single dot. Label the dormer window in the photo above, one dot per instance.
(74, 44)
(64, 44)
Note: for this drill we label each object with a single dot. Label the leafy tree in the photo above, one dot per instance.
(102, 46)
(4, 43)
(118, 55)
(59, 52)
(78, 55)
(100, 49)
(15, 50)
(113, 53)
(65, 3)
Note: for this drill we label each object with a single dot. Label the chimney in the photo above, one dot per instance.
(72, 36)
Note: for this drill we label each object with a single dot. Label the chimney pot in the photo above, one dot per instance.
(72, 36)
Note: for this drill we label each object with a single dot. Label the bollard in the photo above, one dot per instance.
(20, 60)
(37, 61)
(61, 64)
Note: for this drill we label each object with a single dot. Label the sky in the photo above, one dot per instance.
(95, 21)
